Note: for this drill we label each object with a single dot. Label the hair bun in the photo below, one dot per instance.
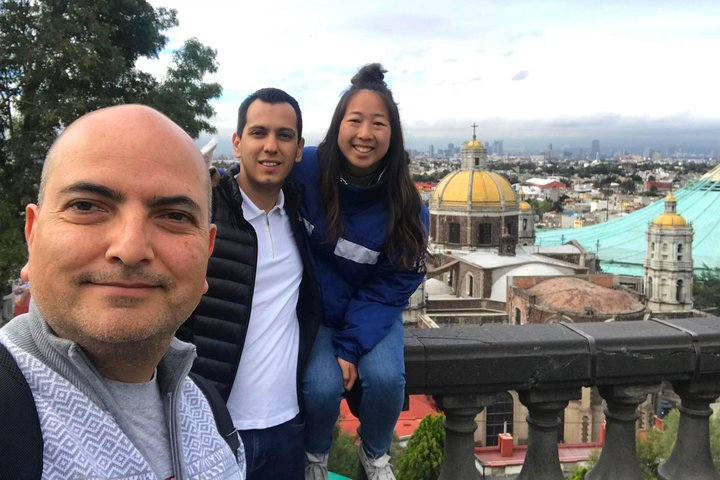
(370, 74)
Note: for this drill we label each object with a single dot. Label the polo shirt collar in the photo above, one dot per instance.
(252, 211)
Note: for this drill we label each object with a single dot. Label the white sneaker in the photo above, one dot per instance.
(316, 466)
(376, 468)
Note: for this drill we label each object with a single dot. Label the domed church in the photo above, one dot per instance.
(473, 207)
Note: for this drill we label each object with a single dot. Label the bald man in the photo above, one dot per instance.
(118, 248)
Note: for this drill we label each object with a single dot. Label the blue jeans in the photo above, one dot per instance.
(381, 374)
(275, 452)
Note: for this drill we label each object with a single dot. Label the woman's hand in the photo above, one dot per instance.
(349, 373)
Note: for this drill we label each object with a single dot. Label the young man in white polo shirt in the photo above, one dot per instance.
(255, 326)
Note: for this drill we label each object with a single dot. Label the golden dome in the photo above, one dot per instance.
(525, 206)
(669, 220)
(474, 144)
(670, 198)
(475, 189)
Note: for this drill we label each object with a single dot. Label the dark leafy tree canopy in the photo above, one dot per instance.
(706, 291)
(60, 59)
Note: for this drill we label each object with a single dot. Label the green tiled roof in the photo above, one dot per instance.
(621, 243)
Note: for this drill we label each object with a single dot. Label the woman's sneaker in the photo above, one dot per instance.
(375, 468)
(316, 466)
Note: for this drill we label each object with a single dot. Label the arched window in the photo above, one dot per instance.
(679, 291)
(679, 251)
(518, 316)
(649, 287)
(470, 285)
(524, 224)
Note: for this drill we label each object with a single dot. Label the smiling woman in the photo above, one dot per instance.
(364, 136)
(367, 230)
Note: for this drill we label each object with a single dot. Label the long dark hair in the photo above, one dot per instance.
(406, 240)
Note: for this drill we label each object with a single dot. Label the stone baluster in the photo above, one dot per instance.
(544, 406)
(460, 412)
(691, 457)
(618, 460)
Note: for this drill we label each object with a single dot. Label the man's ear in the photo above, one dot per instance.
(301, 145)
(211, 245)
(31, 216)
(25, 273)
(212, 232)
(237, 151)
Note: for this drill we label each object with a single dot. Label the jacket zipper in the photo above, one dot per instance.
(172, 431)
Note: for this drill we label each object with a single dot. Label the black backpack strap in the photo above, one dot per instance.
(21, 442)
(223, 420)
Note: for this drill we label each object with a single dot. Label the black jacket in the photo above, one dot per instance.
(219, 324)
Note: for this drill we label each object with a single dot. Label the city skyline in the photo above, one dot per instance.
(634, 76)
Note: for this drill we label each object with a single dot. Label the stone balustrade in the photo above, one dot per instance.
(466, 367)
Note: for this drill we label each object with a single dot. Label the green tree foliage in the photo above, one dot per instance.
(580, 472)
(424, 455)
(433, 177)
(557, 206)
(657, 445)
(540, 207)
(706, 291)
(184, 79)
(11, 251)
(343, 458)
(62, 59)
(627, 186)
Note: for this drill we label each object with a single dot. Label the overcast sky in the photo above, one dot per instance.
(632, 73)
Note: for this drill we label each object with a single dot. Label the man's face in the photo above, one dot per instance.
(268, 147)
(118, 250)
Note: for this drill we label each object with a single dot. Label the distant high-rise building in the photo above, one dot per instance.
(487, 147)
(431, 150)
(497, 147)
(595, 149)
(451, 149)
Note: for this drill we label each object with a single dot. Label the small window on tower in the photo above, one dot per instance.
(679, 291)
